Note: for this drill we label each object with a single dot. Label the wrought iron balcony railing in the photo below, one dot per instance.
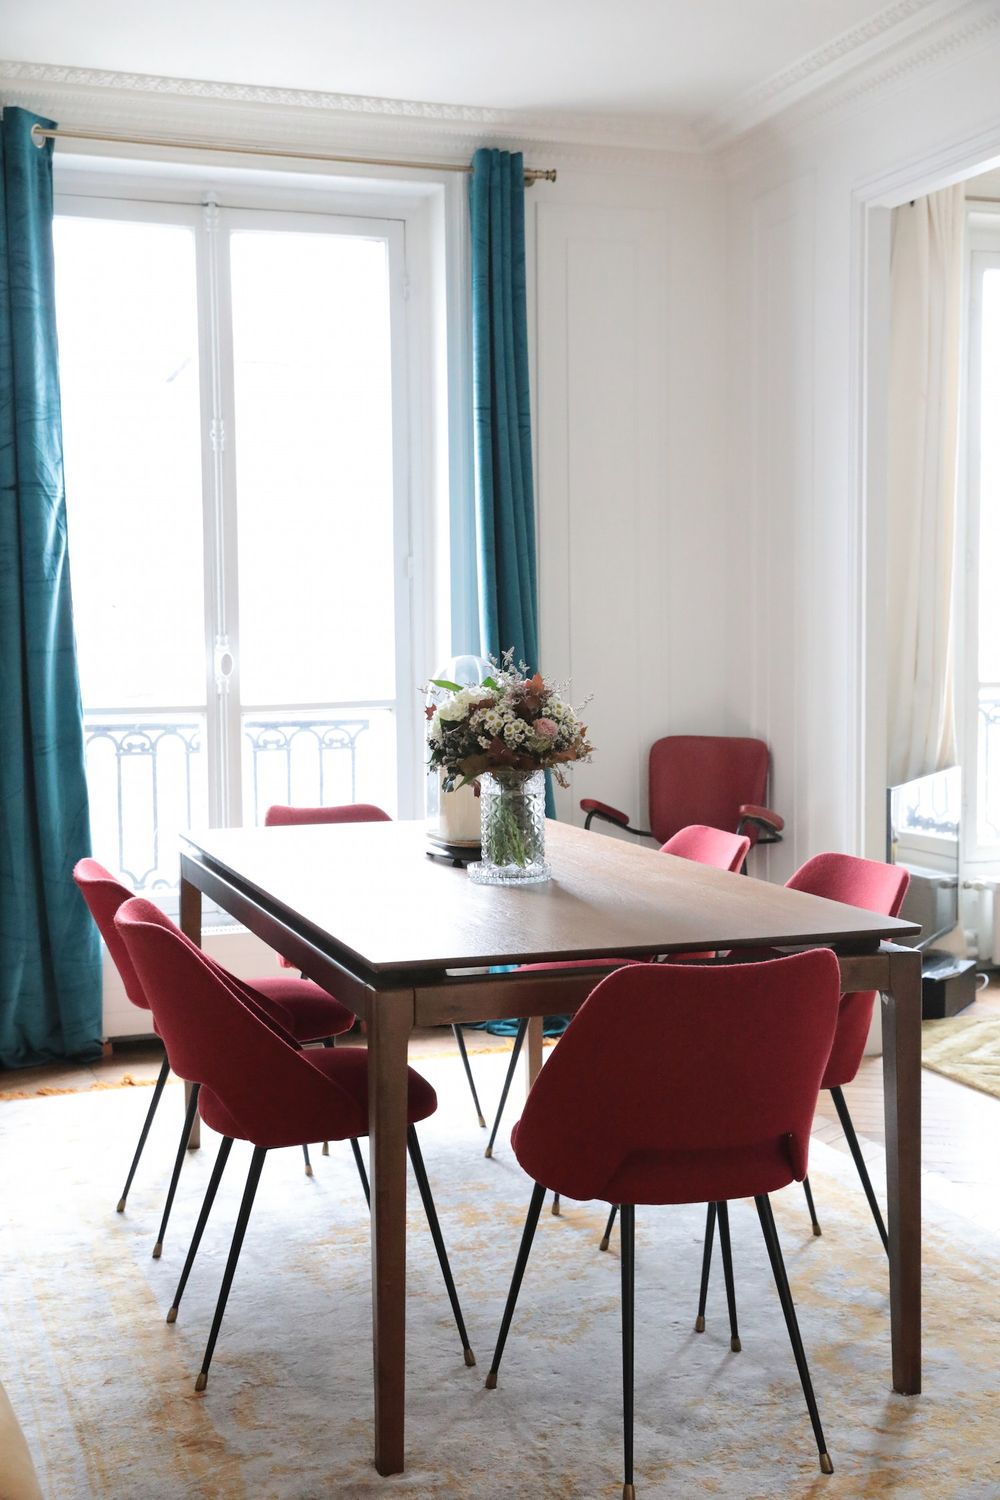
(148, 780)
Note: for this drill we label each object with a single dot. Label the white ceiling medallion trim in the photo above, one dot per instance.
(630, 132)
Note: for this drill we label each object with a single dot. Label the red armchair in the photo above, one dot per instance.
(719, 780)
(678, 1132)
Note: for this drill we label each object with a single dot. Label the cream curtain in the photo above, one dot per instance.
(926, 290)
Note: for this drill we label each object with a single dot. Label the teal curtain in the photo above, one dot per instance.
(50, 963)
(505, 506)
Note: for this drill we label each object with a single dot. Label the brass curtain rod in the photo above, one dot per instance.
(39, 133)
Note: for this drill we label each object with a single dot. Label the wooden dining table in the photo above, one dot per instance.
(406, 940)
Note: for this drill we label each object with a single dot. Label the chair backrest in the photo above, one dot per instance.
(703, 778)
(876, 887)
(709, 846)
(213, 1037)
(857, 882)
(104, 895)
(667, 1058)
(281, 815)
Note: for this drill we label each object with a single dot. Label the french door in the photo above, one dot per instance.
(235, 428)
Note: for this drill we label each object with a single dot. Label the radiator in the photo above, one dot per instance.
(981, 920)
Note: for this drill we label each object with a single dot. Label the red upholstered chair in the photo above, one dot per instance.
(702, 845)
(680, 1132)
(255, 1082)
(875, 887)
(302, 1008)
(720, 780)
(361, 812)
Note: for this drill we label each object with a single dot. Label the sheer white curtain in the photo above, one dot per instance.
(926, 283)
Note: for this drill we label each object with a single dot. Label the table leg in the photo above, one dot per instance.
(390, 1020)
(901, 1076)
(533, 1050)
(190, 913)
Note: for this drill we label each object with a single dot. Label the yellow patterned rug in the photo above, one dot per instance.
(966, 1048)
(105, 1389)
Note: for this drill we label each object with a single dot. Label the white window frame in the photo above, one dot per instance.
(982, 252)
(424, 225)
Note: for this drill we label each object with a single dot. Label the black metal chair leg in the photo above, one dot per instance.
(309, 1165)
(792, 1323)
(242, 1219)
(848, 1126)
(706, 1268)
(628, 1340)
(460, 1040)
(528, 1234)
(522, 1032)
(426, 1197)
(817, 1227)
(225, 1146)
(328, 1041)
(151, 1111)
(722, 1209)
(175, 1176)
(360, 1164)
(608, 1227)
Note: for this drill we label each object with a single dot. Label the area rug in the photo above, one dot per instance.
(966, 1048)
(105, 1389)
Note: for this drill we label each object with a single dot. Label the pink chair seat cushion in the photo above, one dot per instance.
(306, 1012)
(348, 1068)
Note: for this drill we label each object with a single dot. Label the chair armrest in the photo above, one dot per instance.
(595, 809)
(769, 823)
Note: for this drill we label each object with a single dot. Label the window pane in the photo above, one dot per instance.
(128, 351)
(318, 760)
(314, 468)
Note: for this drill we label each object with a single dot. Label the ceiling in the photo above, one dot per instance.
(676, 60)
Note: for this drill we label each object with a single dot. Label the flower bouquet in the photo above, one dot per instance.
(504, 734)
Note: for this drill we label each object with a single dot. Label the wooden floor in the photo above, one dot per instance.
(960, 1125)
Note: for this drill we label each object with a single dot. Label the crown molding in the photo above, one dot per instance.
(958, 30)
(96, 99)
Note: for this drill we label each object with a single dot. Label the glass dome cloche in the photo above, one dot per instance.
(453, 817)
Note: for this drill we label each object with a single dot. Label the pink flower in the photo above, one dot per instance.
(546, 728)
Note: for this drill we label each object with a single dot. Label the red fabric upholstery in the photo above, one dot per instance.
(281, 815)
(684, 1085)
(709, 846)
(699, 778)
(256, 1085)
(301, 1007)
(874, 887)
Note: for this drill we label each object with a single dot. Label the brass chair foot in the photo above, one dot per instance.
(556, 1208)
(201, 1382)
(628, 1492)
(157, 1249)
(470, 1358)
(817, 1230)
(699, 1324)
(488, 1152)
(482, 1123)
(604, 1243)
(309, 1170)
(825, 1463)
(121, 1206)
(326, 1148)
(491, 1381)
(735, 1344)
(172, 1315)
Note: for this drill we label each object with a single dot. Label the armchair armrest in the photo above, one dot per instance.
(769, 823)
(595, 809)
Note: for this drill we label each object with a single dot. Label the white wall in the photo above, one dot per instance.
(808, 258)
